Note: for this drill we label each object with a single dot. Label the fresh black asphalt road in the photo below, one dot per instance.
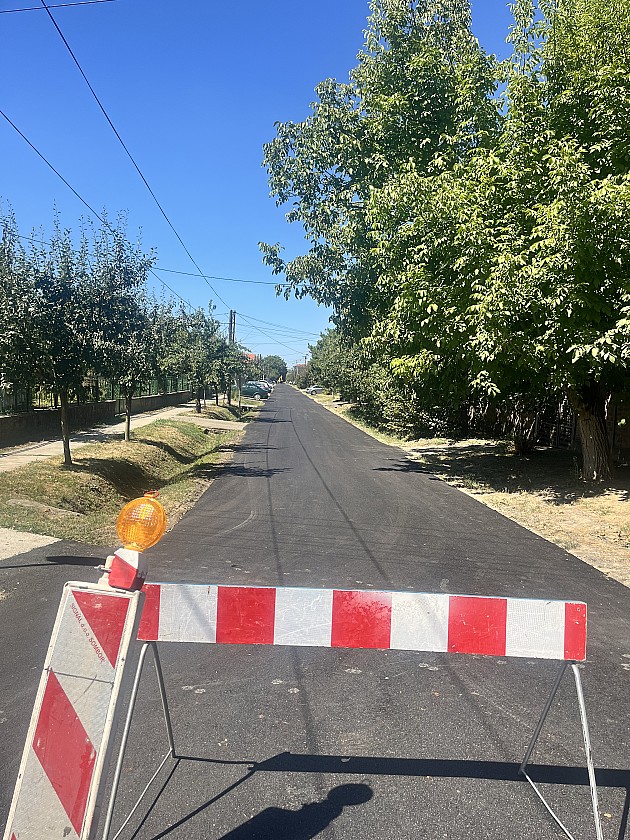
(295, 743)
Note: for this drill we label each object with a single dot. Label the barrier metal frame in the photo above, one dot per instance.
(522, 769)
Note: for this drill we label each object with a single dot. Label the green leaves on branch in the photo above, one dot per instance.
(474, 238)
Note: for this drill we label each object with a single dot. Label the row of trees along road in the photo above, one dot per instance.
(468, 220)
(68, 313)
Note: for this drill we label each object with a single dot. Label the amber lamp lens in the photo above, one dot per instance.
(141, 523)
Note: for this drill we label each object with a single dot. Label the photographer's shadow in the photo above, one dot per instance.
(308, 822)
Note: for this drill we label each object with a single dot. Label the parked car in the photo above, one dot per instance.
(254, 390)
(314, 389)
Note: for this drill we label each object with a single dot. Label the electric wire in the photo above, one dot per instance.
(226, 279)
(292, 349)
(56, 6)
(280, 326)
(50, 166)
(129, 155)
(98, 216)
(140, 173)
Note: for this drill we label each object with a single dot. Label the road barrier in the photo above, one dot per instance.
(520, 627)
(68, 746)
(215, 614)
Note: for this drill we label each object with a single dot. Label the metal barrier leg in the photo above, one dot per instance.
(167, 716)
(125, 738)
(587, 750)
(543, 716)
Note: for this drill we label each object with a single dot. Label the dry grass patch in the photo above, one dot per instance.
(82, 503)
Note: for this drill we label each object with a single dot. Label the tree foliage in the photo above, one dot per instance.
(71, 312)
(473, 239)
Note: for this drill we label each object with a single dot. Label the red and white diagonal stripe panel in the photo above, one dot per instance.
(56, 791)
(363, 619)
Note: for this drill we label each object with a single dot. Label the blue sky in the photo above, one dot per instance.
(194, 88)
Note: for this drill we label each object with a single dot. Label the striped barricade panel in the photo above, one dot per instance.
(66, 746)
(364, 619)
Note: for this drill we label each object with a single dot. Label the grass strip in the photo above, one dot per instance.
(82, 502)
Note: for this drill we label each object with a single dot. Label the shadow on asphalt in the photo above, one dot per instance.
(59, 560)
(409, 467)
(70, 560)
(308, 822)
(243, 470)
(271, 420)
(492, 465)
(312, 818)
(255, 447)
(506, 771)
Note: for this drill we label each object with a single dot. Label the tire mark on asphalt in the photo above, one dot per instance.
(347, 519)
(303, 702)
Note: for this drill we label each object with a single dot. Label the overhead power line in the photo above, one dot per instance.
(49, 164)
(129, 155)
(140, 173)
(247, 318)
(247, 321)
(104, 222)
(56, 6)
(227, 279)
(280, 326)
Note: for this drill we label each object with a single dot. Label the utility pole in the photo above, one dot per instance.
(231, 340)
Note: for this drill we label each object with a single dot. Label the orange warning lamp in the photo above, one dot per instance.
(141, 523)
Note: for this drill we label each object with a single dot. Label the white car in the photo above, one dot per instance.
(314, 389)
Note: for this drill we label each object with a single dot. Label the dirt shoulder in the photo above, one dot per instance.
(542, 493)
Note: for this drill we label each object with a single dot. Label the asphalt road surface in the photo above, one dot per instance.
(281, 743)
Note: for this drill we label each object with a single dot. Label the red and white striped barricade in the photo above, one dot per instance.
(64, 764)
(522, 627)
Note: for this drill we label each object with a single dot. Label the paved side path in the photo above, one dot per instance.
(20, 455)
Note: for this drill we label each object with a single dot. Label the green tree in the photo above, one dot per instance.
(18, 301)
(477, 244)
(66, 310)
(203, 347)
(120, 329)
(64, 303)
(273, 367)
(168, 340)
(418, 96)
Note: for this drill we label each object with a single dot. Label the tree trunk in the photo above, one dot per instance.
(524, 425)
(198, 400)
(65, 427)
(216, 393)
(590, 406)
(128, 400)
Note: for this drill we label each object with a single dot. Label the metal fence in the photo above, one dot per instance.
(17, 400)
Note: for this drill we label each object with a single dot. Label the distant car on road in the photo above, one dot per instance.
(314, 389)
(254, 390)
